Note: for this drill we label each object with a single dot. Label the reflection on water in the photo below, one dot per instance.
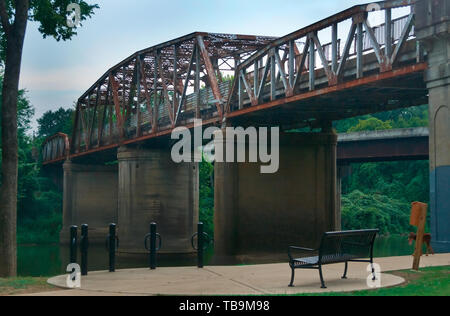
(392, 246)
(50, 260)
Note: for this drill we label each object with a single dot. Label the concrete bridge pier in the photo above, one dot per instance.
(89, 197)
(432, 29)
(152, 188)
(257, 216)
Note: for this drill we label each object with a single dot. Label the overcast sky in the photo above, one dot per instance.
(57, 73)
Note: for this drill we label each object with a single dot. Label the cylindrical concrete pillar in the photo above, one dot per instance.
(257, 216)
(89, 197)
(152, 188)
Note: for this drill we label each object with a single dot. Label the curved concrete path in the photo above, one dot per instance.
(238, 280)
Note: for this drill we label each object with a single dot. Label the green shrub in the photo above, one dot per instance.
(365, 211)
(207, 196)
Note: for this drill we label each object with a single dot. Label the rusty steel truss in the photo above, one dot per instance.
(217, 77)
(160, 88)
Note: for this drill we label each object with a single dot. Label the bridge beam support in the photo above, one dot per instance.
(257, 216)
(432, 29)
(89, 197)
(152, 188)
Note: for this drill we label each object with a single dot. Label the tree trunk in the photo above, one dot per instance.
(8, 189)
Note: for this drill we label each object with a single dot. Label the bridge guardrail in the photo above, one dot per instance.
(267, 75)
(56, 147)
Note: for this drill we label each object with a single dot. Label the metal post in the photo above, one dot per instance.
(197, 83)
(388, 33)
(138, 95)
(112, 247)
(312, 64)
(203, 242)
(175, 80)
(152, 256)
(359, 50)
(73, 244)
(84, 244)
(153, 236)
(237, 61)
(291, 63)
(334, 47)
(200, 245)
(273, 76)
(155, 94)
(256, 77)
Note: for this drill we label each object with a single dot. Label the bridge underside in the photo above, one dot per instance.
(390, 145)
(387, 92)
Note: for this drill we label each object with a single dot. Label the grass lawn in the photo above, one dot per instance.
(17, 286)
(427, 282)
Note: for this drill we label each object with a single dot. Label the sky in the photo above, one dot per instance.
(55, 73)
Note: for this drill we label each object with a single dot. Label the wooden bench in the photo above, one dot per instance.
(335, 247)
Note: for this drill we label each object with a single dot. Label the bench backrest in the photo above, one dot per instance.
(356, 244)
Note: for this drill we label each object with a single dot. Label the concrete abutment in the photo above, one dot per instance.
(433, 30)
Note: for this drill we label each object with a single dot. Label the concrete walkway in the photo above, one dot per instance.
(238, 280)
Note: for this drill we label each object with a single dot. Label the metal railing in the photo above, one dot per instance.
(55, 147)
(299, 62)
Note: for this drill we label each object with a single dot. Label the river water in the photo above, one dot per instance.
(50, 260)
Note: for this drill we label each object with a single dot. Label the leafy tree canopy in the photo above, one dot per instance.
(53, 122)
(25, 111)
(52, 18)
(380, 194)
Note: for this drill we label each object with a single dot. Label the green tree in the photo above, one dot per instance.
(39, 202)
(361, 211)
(53, 122)
(370, 124)
(207, 196)
(380, 194)
(14, 16)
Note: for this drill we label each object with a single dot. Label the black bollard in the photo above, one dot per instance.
(153, 236)
(200, 245)
(112, 247)
(73, 244)
(203, 243)
(84, 244)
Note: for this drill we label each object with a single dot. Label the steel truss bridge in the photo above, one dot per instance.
(362, 60)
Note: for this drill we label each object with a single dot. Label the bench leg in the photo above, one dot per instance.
(321, 278)
(292, 278)
(345, 271)
(373, 271)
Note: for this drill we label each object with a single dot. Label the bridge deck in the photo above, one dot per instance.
(294, 81)
(390, 145)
